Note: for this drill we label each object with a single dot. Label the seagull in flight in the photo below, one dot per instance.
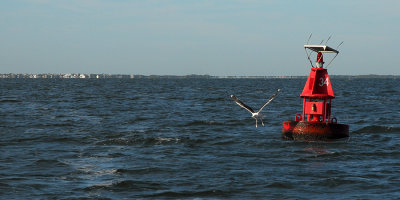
(256, 115)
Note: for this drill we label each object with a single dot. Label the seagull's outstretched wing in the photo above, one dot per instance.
(241, 104)
(270, 99)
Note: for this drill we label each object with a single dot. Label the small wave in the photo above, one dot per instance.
(10, 101)
(215, 99)
(279, 185)
(161, 140)
(194, 194)
(318, 151)
(143, 141)
(139, 170)
(118, 141)
(65, 139)
(140, 118)
(126, 184)
(332, 182)
(224, 142)
(43, 163)
(203, 122)
(378, 129)
(3, 185)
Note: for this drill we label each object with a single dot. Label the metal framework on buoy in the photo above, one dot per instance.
(315, 122)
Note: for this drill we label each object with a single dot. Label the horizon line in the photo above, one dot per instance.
(109, 75)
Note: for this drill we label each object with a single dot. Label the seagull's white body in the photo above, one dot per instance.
(256, 115)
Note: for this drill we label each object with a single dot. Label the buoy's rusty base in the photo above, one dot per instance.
(302, 130)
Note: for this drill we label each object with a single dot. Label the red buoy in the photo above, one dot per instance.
(315, 123)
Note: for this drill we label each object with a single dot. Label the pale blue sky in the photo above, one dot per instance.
(179, 37)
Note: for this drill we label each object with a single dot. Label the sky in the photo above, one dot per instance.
(181, 37)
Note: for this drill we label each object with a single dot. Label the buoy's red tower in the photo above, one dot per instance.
(315, 123)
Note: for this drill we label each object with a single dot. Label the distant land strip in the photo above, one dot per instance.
(191, 76)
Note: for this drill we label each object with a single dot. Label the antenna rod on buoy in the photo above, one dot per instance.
(309, 54)
(328, 39)
(309, 38)
(339, 45)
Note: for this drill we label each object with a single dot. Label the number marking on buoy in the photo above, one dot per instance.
(324, 82)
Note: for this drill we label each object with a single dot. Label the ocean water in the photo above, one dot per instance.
(186, 139)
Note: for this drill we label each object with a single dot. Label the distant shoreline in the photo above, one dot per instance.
(191, 76)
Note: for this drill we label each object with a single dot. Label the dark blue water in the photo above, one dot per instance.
(186, 139)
